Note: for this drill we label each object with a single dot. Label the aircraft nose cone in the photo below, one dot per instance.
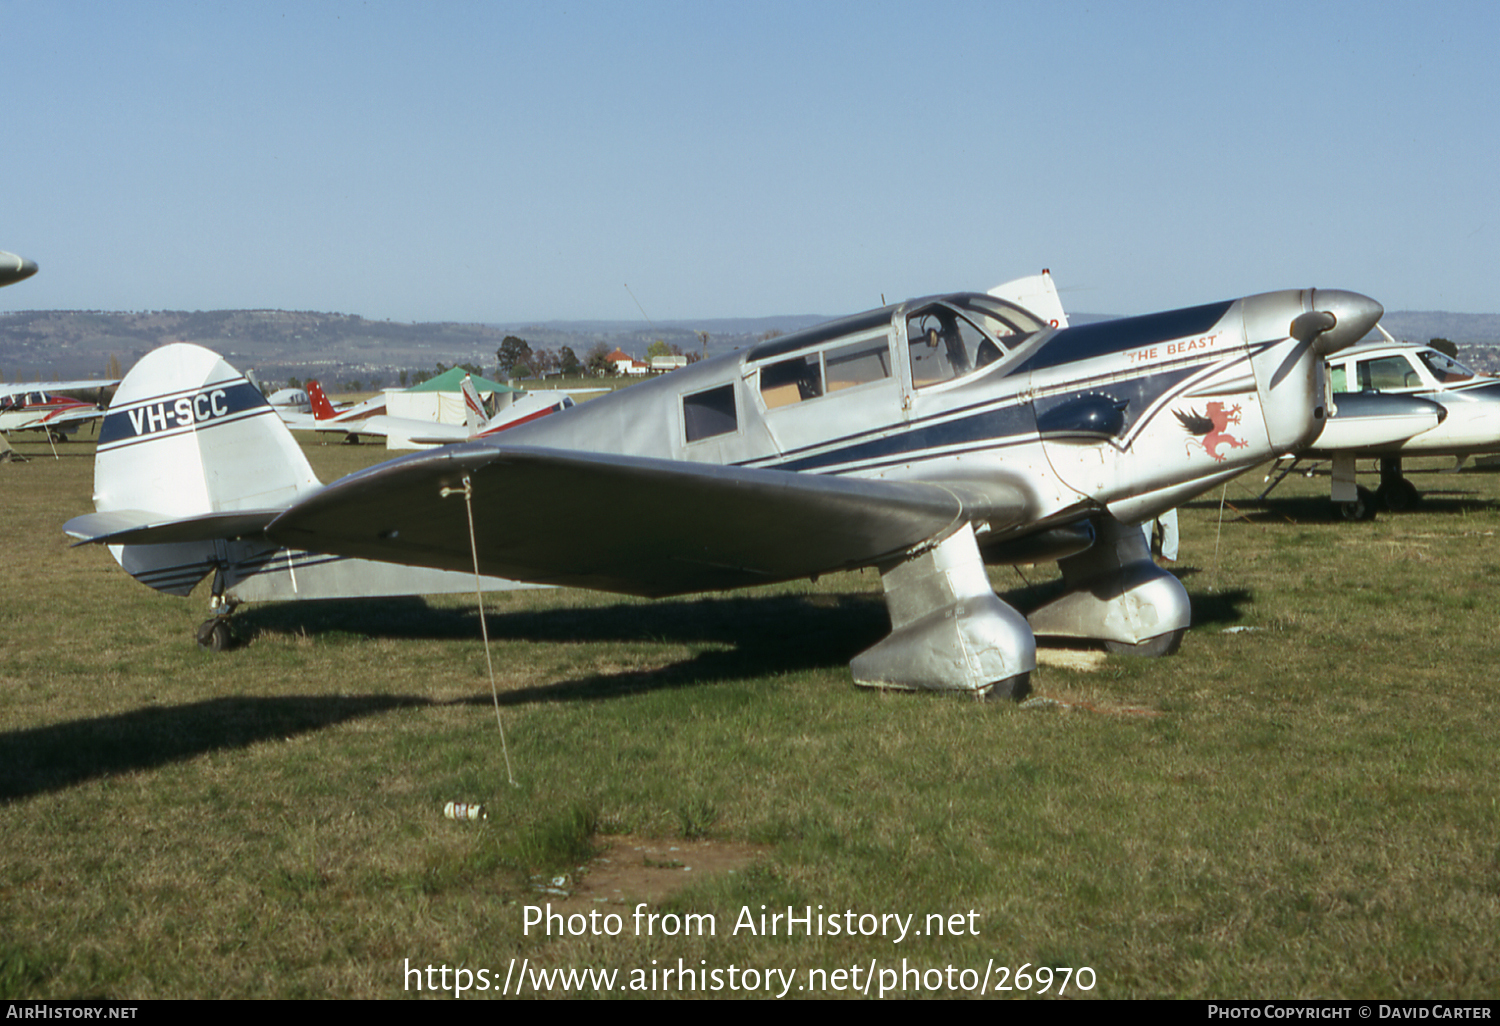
(1354, 316)
(14, 268)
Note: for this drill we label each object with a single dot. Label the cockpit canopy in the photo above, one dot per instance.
(957, 335)
(946, 338)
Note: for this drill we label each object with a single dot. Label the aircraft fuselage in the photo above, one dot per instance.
(1130, 416)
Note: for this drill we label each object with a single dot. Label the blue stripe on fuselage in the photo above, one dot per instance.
(996, 426)
(1124, 335)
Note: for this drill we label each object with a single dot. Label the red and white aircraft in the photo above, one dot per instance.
(370, 417)
(36, 407)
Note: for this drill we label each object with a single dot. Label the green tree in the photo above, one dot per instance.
(567, 362)
(512, 354)
(1442, 345)
(543, 362)
(598, 361)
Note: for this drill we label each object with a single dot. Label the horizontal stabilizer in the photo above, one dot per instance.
(137, 527)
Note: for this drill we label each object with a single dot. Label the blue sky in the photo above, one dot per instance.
(511, 162)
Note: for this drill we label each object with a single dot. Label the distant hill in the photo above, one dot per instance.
(280, 344)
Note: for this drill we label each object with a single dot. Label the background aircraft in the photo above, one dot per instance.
(47, 407)
(14, 268)
(478, 424)
(1392, 400)
(369, 417)
(923, 439)
(352, 420)
(57, 407)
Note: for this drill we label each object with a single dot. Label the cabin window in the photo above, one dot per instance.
(1388, 374)
(709, 414)
(1339, 378)
(944, 346)
(858, 363)
(1006, 322)
(1444, 367)
(791, 381)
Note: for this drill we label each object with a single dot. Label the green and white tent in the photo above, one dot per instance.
(440, 400)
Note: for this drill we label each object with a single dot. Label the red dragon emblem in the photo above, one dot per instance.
(1212, 428)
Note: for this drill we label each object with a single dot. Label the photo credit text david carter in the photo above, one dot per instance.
(871, 976)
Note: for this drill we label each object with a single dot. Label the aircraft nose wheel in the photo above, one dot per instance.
(215, 635)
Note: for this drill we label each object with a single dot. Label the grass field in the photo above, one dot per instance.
(1306, 808)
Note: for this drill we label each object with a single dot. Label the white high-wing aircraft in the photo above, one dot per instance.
(1392, 400)
(924, 439)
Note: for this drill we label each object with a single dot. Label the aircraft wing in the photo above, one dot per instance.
(73, 416)
(627, 524)
(57, 387)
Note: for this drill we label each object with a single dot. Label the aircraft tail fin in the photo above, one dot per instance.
(321, 407)
(189, 438)
(1037, 294)
(474, 414)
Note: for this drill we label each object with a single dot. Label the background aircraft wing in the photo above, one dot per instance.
(56, 387)
(627, 524)
(74, 416)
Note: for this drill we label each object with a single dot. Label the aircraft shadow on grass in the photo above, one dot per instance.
(768, 637)
(62, 755)
(744, 620)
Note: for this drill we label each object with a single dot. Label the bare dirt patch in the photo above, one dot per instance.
(1085, 660)
(633, 869)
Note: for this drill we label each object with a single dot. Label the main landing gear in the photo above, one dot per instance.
(1395, 493)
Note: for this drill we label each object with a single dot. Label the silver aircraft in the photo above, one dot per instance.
(924, 439)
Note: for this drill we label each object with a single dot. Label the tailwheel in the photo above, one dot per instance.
(1161, 645)
(1362, 508)
(216, 635)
